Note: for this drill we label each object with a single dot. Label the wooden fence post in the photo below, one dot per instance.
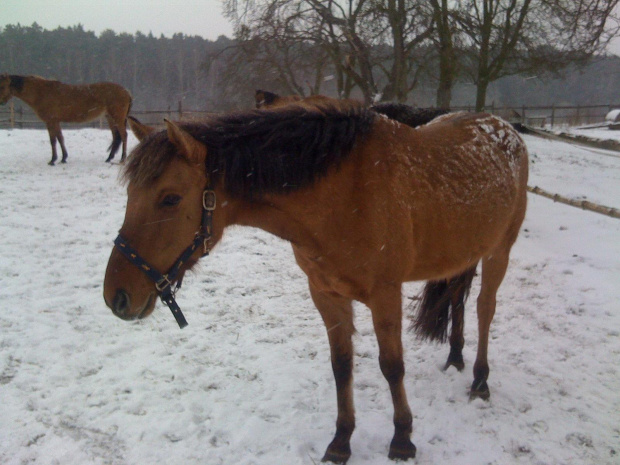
(12, 114)
(578, 116)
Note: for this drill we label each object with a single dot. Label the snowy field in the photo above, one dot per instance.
(249, 380)
(594, 133)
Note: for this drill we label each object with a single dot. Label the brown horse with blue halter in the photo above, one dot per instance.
(55, 102)
(367, 203)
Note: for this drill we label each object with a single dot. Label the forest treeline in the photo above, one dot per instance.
(160, 72)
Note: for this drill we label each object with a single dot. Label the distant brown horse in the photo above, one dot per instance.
(367, 204)
(55, 103)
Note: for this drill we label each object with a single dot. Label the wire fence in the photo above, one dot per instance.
(19, 115)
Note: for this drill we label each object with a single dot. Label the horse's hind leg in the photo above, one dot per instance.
(493, 271)
(61, 139)
(123, 132)
(386, 307)
(459, 290)
(55, 134)
(337, 314)
(117, 138)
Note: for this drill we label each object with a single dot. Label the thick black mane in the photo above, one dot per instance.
(17, 82)
(405, 114)
(263, 151)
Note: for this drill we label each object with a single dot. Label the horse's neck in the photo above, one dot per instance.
(30, 91)
(273, 215)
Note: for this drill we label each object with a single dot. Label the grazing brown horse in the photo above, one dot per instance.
(367, 204)
(55, 102)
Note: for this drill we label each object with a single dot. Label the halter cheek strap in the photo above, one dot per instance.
(164, 282)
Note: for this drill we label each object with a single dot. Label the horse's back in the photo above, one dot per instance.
(84, 102)
(483, 145)
(456, 186)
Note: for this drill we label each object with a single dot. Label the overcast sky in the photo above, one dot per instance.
(191, 17)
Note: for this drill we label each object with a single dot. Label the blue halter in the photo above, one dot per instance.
(164, 282)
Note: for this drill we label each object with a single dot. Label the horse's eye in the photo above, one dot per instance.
(171, 200)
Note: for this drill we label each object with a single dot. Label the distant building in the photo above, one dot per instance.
(613, 118)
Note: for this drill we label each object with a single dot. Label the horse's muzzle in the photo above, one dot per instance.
(121, 306)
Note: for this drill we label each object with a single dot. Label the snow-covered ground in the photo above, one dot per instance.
(595, 133)
(249, 380)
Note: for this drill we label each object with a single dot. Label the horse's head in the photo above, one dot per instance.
(265, 99)
(5, 88)
(166, 181)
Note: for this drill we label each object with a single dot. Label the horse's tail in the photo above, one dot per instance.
(437, 301)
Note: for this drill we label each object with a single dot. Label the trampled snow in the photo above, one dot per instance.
(249, 380)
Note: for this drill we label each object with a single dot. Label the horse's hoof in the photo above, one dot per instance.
(479, 390)
(336, 457)
(337, 454)
(459, 365)
(52, 163)
(402, 450)
(63, 161)
(455, 359)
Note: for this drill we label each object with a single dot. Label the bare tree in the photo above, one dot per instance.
(504, 37)
(444, 44)
(369, 43)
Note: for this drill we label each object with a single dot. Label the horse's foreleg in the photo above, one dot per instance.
(337, 314)
(493, 271)
(386, 310)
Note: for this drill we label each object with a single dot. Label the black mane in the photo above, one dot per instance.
(17, 82)
(405, 114)
(262, 151)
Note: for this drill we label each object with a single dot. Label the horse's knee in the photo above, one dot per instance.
(393, 369)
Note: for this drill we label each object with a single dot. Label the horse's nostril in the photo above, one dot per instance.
(121, 303)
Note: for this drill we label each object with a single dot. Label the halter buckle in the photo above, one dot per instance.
(163, 283)
(208, 200)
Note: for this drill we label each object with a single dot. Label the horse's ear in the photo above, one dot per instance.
(270, 97)
(194, 151)
(140, 130)
(259, 97)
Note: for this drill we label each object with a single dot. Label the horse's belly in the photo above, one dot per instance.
(449, 243)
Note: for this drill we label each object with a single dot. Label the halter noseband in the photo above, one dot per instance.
(164, 282)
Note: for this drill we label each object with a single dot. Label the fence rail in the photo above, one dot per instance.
(19, 115)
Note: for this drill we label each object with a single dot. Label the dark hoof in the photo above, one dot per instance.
(402, 450)
(479, 390)
(455, 359)
(63, 161)
(336, 456)
(52, 163)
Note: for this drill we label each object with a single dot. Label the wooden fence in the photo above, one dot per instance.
(22, 117)
(19, 115)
